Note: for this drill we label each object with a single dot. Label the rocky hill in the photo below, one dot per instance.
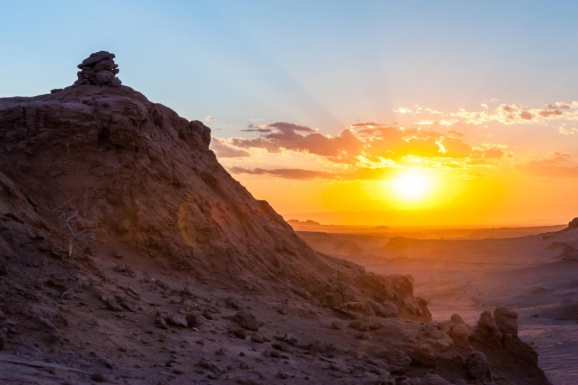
(128, 254)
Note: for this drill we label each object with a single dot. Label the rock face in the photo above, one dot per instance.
(98, 69)
(496, 337)
(573, 224)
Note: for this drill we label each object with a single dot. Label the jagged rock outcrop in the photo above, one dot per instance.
(98, 69)
(496, 336)
(573, 224)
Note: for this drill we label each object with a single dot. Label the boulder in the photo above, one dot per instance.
(478, 366)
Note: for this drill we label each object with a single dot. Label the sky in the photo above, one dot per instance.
(430, 113)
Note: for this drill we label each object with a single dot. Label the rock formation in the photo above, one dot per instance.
(124, 242)
(98, 69)
(573, 224)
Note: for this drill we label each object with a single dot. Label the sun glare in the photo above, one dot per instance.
(411, 186)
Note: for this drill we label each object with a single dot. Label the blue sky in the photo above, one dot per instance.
(320, 63)
(490, 86)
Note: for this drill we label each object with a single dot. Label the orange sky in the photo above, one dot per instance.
(505, 164)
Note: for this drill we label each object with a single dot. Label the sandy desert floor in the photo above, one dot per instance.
(471, 271)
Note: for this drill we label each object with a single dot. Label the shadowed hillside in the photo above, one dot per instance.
(123, 241)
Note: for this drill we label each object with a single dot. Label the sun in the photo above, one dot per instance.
(411, 186)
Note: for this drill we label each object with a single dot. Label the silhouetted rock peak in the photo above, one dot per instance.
(98, 69)
(573, 224)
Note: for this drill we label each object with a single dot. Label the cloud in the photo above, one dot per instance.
(261, 130)
(289, 127)
(368, 140)
(516, 114)
(417, 110)
(548, 113)
(493, 153)
(288, 173)
(356, 173)
(363, 145)
(223, 150)
(395, 143)
(501, 113)
(288, 136)
(489, 153)
(567, 130)
(558, 165)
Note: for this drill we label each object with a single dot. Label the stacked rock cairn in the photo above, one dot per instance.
(98, 69)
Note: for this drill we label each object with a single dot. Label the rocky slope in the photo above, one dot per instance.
(129, 255)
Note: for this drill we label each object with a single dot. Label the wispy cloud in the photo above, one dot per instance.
(564, 130)
(356, 173)
(499, 113)
(502, 113)
(288, 173)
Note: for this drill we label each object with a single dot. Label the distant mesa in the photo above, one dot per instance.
(308, 222)
(98, 69)
(381, 228)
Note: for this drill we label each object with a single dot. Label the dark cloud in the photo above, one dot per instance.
(261, 130)
(526, 115)
(366, 124)
(550, 113)
(285, 127)
(287, 136)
